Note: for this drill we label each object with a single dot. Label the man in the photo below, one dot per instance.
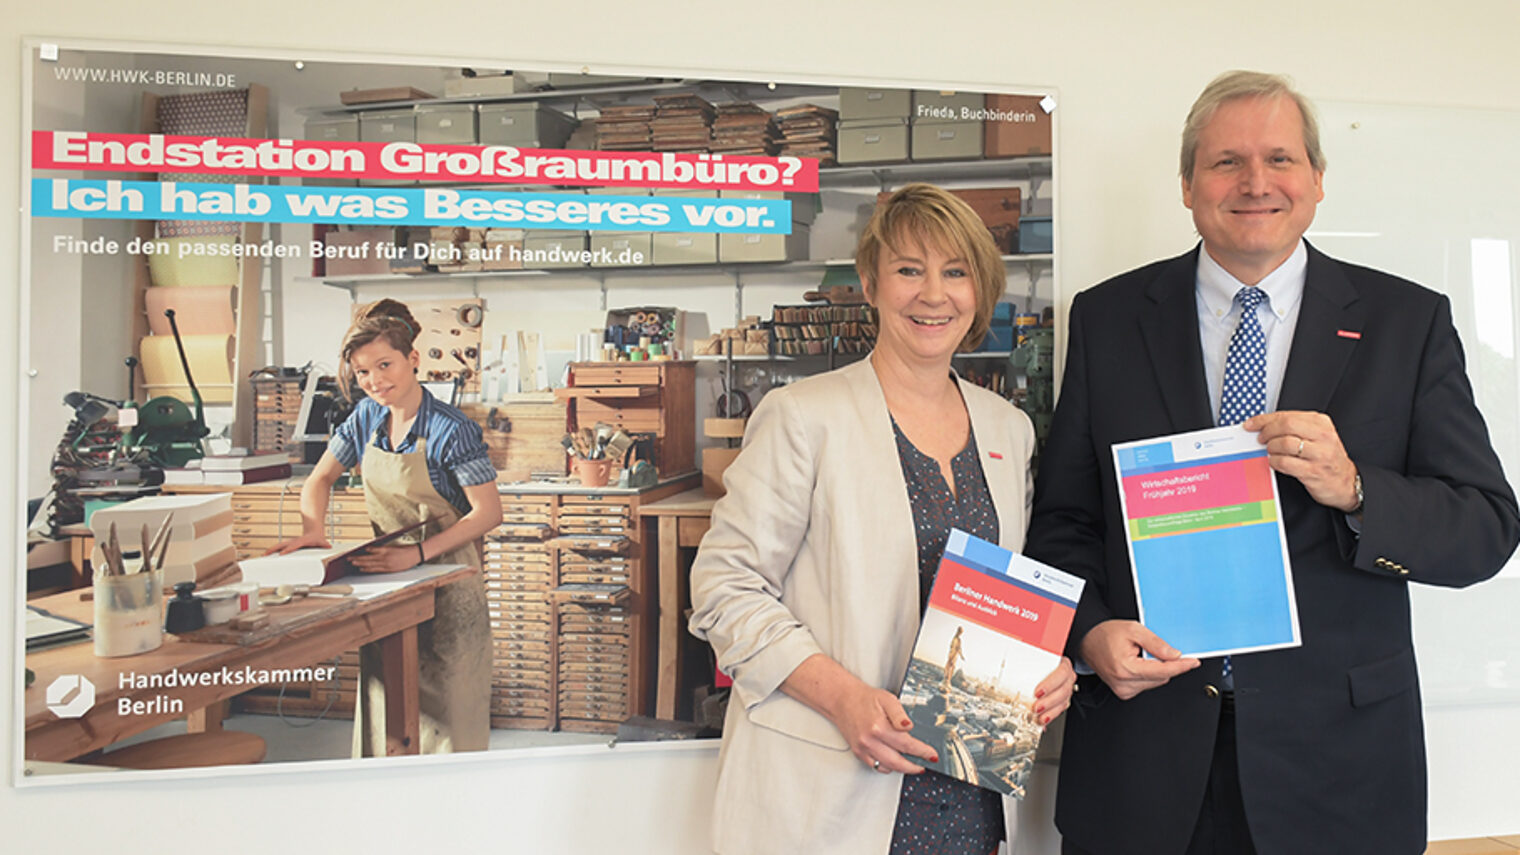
(1354, 380)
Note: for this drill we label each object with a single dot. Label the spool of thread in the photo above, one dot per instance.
(656, 350)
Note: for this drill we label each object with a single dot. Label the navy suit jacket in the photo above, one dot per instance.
(1329, 734)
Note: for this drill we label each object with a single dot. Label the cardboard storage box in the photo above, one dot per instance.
(804, 205)
(1000, 209)
(328, 129)
(483, 84)
(1016, 126)
(873, 103)
(388, 126)
(715, 461)
(525, 124)
(1036, 235)
(743, 247)
(537, 244)
(936, 106)
(628, 249)
(684, 248)
(873, 141)
(385, 126)
(446, 124)
(503, 249)
(364, 241)
(947, 140)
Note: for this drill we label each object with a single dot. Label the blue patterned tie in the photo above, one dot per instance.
(1245, 382)
(1245, 369)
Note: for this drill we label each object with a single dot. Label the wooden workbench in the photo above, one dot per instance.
(672, 525)
(391, 619)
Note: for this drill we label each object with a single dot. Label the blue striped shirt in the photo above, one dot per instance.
(456, 454)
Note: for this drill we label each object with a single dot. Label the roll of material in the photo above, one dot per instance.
(210, 362)
(192, 261)
(198, 310)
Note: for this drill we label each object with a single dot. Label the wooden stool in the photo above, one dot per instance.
(215, 748)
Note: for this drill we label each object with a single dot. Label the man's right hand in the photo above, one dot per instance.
(1115, 648)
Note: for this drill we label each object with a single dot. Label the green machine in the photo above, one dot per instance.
(166, 431)
(1034, 358)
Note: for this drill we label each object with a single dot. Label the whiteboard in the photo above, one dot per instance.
(1432, 194)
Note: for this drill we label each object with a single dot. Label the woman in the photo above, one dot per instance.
(811, 581)
(422, 459)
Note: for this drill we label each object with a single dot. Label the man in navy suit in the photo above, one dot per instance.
(1386, 477)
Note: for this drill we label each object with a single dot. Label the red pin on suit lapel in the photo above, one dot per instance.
(1351, 334)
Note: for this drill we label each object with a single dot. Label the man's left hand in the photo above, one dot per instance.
(386, 559)
(1305, 445)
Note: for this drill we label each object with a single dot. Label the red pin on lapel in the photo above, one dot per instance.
(994, 455)
(1351, 334)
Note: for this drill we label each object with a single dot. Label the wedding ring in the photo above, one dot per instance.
(1300, 451)
(876, 764)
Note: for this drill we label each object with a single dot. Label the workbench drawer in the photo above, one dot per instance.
(592, 575)
(539, 646)
(591, 544)
(590, 683)
(595, 710)
(543, 517)
(525, 548)
(617, 374)
(526, 503)
(527, 612)
(593, 525)
(645, 416)
(592, 595)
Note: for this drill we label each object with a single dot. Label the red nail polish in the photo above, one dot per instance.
(906, 723)
(1045, 720)
(1039, 693)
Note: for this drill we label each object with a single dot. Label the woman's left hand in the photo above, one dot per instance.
(1053, 694)
(387, 559)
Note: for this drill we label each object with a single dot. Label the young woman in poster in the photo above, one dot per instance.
(422, 460)
(811, 582)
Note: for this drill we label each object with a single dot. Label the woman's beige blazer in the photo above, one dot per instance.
(812, 550)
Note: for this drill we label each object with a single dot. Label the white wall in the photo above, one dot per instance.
(1125, 74)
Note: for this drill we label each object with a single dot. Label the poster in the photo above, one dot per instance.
(517, 213)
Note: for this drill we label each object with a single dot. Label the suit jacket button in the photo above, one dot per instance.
(1211, 691)
(1381, 562)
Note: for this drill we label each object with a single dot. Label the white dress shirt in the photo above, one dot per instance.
(1219, 315)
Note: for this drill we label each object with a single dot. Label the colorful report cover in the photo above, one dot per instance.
(1206, 542)
(994, 628)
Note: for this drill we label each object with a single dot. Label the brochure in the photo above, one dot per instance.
(1206, 542)
(994, 628)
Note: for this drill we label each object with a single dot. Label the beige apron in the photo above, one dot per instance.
(454, 648)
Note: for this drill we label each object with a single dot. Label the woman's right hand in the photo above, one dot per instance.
(877, 727)
(304, 541)
(871, 720)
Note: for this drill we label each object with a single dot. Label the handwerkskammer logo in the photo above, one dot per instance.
(70, 696)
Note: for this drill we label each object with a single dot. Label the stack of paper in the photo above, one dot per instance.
(743, 127)
(624, 128)
(200, 538)
(682, 123)
(809, 131)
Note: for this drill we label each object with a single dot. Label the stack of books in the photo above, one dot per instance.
(743, 127)
(231, 470)
(808, 130)
(682, 123)
(200, 546)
